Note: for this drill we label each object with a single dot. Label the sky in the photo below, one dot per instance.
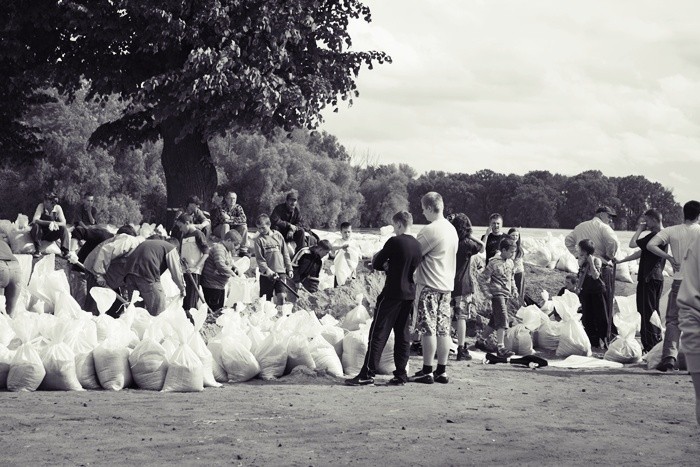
(520, 85)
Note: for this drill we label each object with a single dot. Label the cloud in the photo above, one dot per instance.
(516, 86)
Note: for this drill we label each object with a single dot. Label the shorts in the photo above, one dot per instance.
(268, 287)
(462, 306)
(434, 313)
(499, 313)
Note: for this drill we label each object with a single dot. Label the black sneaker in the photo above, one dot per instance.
(504, 353)
(667, 364)
(396, 381)
(481, 345)
(463, 354)
(359, 381)
(441, 378)
(420, 377)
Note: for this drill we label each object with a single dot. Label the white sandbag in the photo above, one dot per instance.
(354, 350)
(325, 357)
(59, 362)
(234, 358)
(531, 316)
(185, 371)
(334, 335)
(298, 353)
(625, 349)
(26, 369)
(149, 365)
(6, 331)
(355, 317)
(567, 263)
(256, 339)
(21, 241)
(6, 357)
(540, 257)
(205, 356)
(112, 365)
(345, 263)
(653, 357)
(329, 320)
(546, 337)
(272, 356)
(386, 361)
(85, 370)
(239, 289)
(622, 273)
(303, 322)
(573, 339)
(519, 340)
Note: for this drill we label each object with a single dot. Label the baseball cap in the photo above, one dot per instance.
(607, 210)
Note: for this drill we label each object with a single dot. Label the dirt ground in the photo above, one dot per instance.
(487, 414)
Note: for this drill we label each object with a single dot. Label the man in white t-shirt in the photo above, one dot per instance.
(678, 237)
(434, 283)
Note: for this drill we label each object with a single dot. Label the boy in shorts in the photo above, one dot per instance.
(499, 273)
(273, 260)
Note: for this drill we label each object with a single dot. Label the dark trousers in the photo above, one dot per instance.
(299, 237)
(215, 297)
(191, 295)
(390, 314)
(42, 232)
(114, 311)
(648, 297)
(607, 274)
(595, 317)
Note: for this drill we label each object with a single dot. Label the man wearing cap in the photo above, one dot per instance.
(679, 238)
(287, 220)
(600, 232)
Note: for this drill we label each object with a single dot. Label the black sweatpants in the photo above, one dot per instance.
(648, 296)
(594, 317)
(390, 314)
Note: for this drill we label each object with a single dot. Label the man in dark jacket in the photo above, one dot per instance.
(402, 253)
(287, 220)
(307, 264)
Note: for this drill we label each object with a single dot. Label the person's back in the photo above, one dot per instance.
(439, 243)
(148, 260)
(403, 255)
(678, 237)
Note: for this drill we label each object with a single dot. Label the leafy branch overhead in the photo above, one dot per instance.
(224, 64)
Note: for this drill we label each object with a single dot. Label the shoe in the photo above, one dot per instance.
(504, 353)
(463, 354)
(442, 378)
(420, 377)
(417, 348)
(36, 254)
(481, 345)
(396, 381)
(667, 364)
(359, 381)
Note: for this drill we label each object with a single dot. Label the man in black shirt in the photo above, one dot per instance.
(650, 279)
(493, 235)
(399, 257)
(287, 219)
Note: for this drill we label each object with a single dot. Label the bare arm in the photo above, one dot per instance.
(636, 255)
(654, 246)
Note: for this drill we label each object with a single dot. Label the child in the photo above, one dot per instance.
(463, 289)
(194, 251)
(345, 255)
(273, 260)
(307, 264)
(499, 272)
(519, 269)
(592, 294)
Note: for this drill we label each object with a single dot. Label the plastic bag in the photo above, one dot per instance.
(272, 356)
(567, 263)
(573, 339)
(6, 331)
(325, 357)
(6, 357)
(303, 322)
(234, 358)
(112, 365)
(185, 370)
(356, 317)
(149, 365)
(26, 370)
(334, 335)
(519, 340)
(345, 263)
(354, 350)
(625, 349)
(546, 337)
(299, 353)
(59, 362)
(531, 317)
(386, 361)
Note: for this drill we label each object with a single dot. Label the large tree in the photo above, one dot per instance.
(192, 70)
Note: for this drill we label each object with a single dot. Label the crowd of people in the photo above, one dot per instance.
(428, 279)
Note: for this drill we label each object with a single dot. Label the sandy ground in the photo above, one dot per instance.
(487, 414)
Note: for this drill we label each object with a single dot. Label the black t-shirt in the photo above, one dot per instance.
(92, 236)
(403, 255)
(492, 242)
(651, 267)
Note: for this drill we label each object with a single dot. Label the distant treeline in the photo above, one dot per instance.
(129, 185)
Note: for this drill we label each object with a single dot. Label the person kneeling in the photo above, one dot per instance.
(307, 264)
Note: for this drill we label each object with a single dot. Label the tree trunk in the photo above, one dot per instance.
(188, 166)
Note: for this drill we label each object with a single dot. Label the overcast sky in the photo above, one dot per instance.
(520, 85)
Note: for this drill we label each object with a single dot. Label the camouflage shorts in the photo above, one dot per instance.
(434, 313)
(462, 306)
